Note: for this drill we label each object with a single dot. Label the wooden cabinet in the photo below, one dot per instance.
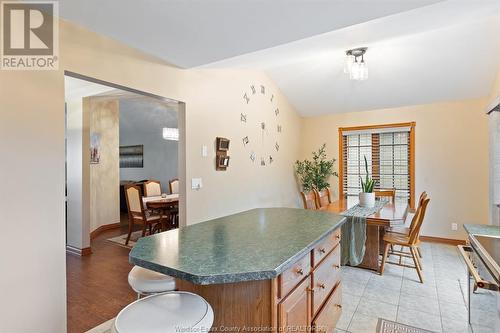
(323, 249)
(325, 277)
(292, 276)
(329, 314)
(294, 312)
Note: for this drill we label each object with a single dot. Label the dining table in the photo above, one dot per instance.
(167, 204)
(391, 214)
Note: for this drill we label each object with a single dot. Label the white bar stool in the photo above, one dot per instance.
(170, 312)
(146, 282)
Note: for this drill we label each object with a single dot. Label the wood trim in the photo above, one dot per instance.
(341, 164)
(78, 252)
(442, 240)
(103, 228)
(412, 165)
(368, 127)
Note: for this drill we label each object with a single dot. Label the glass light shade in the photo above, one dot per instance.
(363, 70)
(355, 71)
(349, 61)
(171, 133)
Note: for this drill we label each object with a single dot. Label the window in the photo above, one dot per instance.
(389, 150)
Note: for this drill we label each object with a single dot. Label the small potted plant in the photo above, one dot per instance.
(367, 197)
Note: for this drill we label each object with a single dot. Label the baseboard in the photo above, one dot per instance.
(442, 240)
(103, 228)
(79, 252)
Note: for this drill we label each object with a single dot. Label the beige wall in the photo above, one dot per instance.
(494, 131)
(451, 157)
(32, 148)
(105, 176)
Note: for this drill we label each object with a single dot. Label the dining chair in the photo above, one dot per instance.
(152, 188)
(406, 230)
(411, 241)
(323, 198)
(136, 212)
(173, 186)
(386, 194)
(309, 200)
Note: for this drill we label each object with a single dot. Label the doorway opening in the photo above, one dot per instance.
(116, 137)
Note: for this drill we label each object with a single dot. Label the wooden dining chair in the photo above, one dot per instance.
(152, 188)
(136, 212)
(173, 186)
(406, 230)
(309, 200)
(323, 198)
(386, 194)
(411, 241)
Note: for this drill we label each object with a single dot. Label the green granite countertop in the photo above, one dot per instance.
(482, 229)
(257, 244)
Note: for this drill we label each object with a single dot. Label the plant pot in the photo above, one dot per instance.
(367, 199)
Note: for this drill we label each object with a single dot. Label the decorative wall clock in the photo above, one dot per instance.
(260, 120)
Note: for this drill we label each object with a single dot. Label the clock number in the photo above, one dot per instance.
(270, 159)
(262, 161)
(245, 140)
(253, 89)
(243, 118)
(279, 128)
(277, 112)
(263, 126)
(272, 97)
(262, 89)
(246, 98)
(252, 156)
(277, 146)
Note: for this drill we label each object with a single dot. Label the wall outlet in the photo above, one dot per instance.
(454, 226)
(204, 151)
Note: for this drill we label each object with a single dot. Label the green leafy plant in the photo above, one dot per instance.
(367, 185)
(316, 173)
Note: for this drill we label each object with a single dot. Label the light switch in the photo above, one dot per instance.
(204, 151)
(196, 183)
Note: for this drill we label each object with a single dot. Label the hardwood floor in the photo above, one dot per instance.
(97, 287)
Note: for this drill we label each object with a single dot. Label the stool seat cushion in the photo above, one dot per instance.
(170, 312)
(146, 281)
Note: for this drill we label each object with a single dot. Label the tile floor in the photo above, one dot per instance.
(438, 305)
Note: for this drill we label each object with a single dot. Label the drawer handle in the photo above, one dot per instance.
(336, 266)
(322, 250)
(337, 236)
(338, 306)
(300, 271)
(310, 289)
(322, 286)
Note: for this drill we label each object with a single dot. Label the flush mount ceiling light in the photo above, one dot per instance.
(171, 133)
(355, 64)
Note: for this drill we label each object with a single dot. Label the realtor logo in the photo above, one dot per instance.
(29, 35)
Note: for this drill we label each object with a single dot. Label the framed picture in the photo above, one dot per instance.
(95, 148)
(132, 156)
(222, 144)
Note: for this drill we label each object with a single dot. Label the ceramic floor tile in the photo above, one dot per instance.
(418, 303)
(420, 319)
(418, 289)
(378, 309)
(350, 302)
(454, 311)
(454, 326)
(345, 319)
(385, 281)
(361, 323)
(390, 296)
(482, 329)
(353, 287)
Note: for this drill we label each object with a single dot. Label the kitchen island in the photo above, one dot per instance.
(269, 269)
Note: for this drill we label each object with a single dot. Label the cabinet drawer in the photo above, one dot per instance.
(292, 276)
(294, 312)
(322, 249)
(325, 277)
(327, 318)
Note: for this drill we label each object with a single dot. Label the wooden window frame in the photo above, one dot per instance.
(411, 146)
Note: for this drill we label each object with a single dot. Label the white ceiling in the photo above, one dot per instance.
(419, 51)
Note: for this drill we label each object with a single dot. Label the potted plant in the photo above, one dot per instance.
(367, 197)
(314, 175)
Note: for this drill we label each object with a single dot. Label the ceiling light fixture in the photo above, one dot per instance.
(355, 64)
(171, 133)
